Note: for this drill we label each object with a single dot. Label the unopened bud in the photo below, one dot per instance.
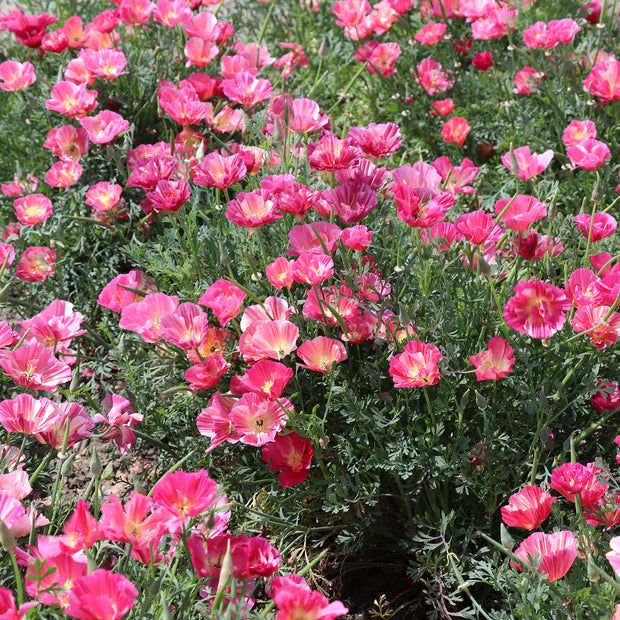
(251, 262)
(598, 191)
(227, 569)
(95, 463)
(224, 256)
(91, 565)
(108, 472)
(506, 538)
(138, 486)
(403, 315)
(67, 465)
(593, 571)
(482, 266)
(481, 401)
(323, 48)
(6, 537)
(514, 164)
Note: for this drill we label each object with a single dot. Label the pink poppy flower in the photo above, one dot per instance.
(603, 81)
(528, 508)
(321, 353)
(64, 174)
(19, 188)
(443, 107)
(521, 212)
(456, 178)
(258, 419)
(185, 327)
(430, 34)
(247, 90)
(107, 63)
(116, 297)
(36, 264)
(144, 317)
(312, 237)
(320, 300)
(432, 76)
(295, 58)
(294, 599)
(280, 273)
(198, 52)
(35, 367)
(33, 209)
(606, 512)
(214, 421)
(350, 12)
(103, 196)
(538, 309)
(527, 80)
(104, 127)
(589, 154)
(292, 455)
(331, 153)
(168, 195)
(383, 59)
(172, 12)
(475, 226)
(16, 75)
(55, 42)
(377, 140)
(252, 210)
(538, 35)
(28, 29)
(357, 237)
(67, 142)
(529, 164)
(218, 171)
(120, 418)
(265, 378)
(135, 12)
(186, 495)
(483, 61)
(208, 374)
(494, 363)
(416, 366)
(8, 607)
(101, 595)
(597, 227)
(602, 330)
(137, 523)
(572, 479)
(272, 339)
(538, 247)
(182, 105)
(74, 416)
(607, 398)
(455, 130)
(25, 414)
(312, 269)
(225, 300)
(556, 553)
(577, 131)
(72, 100)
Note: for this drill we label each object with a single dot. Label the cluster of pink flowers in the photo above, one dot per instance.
(57, 572)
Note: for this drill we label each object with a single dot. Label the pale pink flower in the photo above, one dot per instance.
(16, 75)
(321, 353)
(556, 553)
(596, 227)
(258, 419)
(416, 366)
(589, 154)
(225, 300)
(520, 212)
(35, 367)
(104, 127)
(529, 164)
(144, 317)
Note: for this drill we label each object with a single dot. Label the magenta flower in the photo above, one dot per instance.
(102, 595)
(224, 298)
(292, 454)
(589, 154)
(494, 363)
(521, 213)
(529, 164)
(538, 309)
(258, 419)
(597, 227)
(416, 366)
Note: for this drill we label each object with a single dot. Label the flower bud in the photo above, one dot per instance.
(593, 571)
(6, 537)
(323, 48)
(67, 465)
(506, 538)
(95, 463)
